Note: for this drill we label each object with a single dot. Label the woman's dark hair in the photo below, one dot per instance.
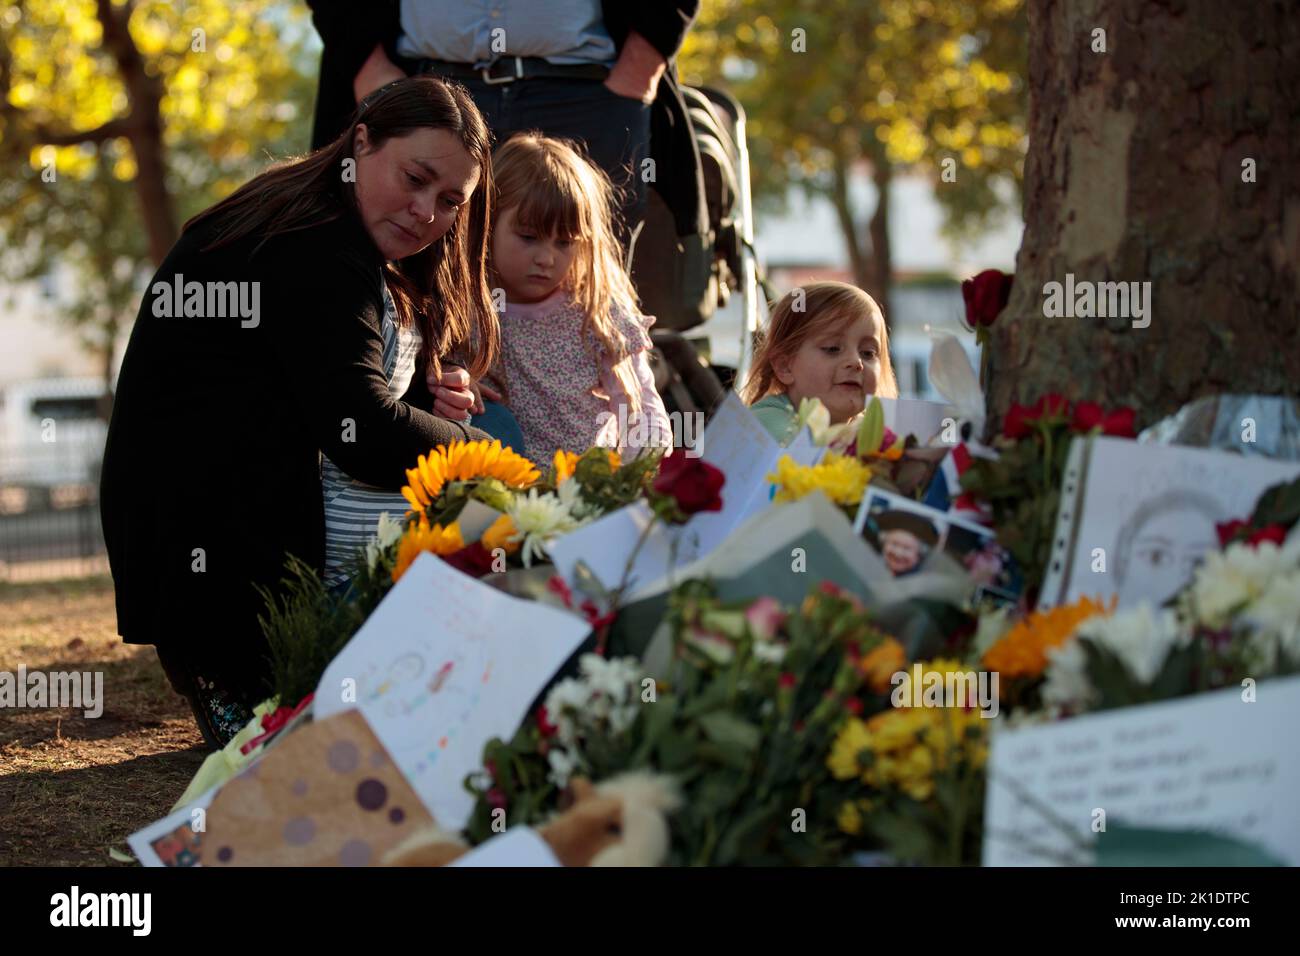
(444, 287)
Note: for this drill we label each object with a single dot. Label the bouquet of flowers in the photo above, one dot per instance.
(1022, 486)
(744, 719)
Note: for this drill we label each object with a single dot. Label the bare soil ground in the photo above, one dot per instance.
(71, 787)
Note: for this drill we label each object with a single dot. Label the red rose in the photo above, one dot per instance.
(1229, 531)
(474, 559)
(1017, 422)
(691, 482)
(786, 681)
(1120, 423)
(986, 295)
(1274, 532)
(853, 706)
(1087, 416)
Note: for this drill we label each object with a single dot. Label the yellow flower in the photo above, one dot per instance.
(842, 479)
(502, 534)
(464, 461)
(852, 739)
(881, 663)
(421, 537)
(849, 818)
(566, 462)
(1022, 651)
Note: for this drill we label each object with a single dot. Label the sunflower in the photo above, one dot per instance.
(465, 461)
(502, 534)
(1022, 651)
(422, 536)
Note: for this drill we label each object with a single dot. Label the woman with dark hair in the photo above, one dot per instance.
(258, 346)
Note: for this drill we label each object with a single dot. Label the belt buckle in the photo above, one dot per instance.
(519, 73)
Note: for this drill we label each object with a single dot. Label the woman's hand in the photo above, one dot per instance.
(457, 398)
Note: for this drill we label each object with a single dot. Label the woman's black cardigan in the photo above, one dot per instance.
(212, 466)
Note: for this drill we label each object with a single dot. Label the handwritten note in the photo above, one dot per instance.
(1212, 761)
(444, 664)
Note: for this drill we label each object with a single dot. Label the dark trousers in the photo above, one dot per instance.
(615, 129)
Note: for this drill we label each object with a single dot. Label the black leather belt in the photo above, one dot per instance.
(508, 69)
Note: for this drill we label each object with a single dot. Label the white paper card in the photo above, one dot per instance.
(1210, 762)
(914, 416)
(444, 664)
(1152, 510)
(518, 846)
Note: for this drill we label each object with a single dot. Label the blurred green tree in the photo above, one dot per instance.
(892, 86)
(120, 120)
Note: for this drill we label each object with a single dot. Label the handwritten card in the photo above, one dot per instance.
(1212, 761)
(444, 664)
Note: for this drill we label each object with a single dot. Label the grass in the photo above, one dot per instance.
(71, 787)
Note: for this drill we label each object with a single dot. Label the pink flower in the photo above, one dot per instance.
(765, 618)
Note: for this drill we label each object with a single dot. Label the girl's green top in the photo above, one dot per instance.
(778, 415)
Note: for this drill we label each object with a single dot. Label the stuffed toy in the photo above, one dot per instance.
(618, 822)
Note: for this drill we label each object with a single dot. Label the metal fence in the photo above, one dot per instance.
(49, 510)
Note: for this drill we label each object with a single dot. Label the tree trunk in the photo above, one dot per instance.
(144, 93)
(881, 280)
(1137, 171)
(844, 212)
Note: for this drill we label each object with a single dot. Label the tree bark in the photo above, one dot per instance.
(873, 267)
(1135, 173)
(144, 128)
(881, 280)
(844, 212)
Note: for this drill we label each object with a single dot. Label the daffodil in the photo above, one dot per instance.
(842, 479)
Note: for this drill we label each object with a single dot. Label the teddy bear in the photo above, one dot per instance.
(622, 821)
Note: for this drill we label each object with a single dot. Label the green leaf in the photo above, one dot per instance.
(871, 432)
(727, 730)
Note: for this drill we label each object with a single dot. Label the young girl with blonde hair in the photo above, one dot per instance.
(825, 340)
(574, 366)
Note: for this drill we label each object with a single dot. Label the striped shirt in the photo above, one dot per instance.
(352, 508)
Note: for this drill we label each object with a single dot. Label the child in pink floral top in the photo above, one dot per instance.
(574, 366)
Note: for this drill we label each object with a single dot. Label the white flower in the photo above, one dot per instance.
(1229, 580)
(570, 495)
(562, 765)
(540, 518)
(387, 533)
(1067, 686)
(769, 652)
(1141, 638)
(1275, 618)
